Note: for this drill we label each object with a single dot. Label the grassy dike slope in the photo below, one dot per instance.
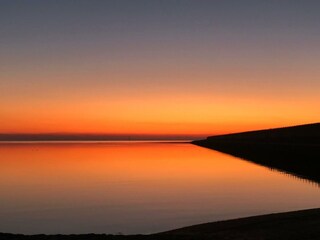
(294, 150)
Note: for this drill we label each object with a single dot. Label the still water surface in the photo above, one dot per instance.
(135, 187)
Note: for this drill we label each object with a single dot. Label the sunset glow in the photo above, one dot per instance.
(159, 119)
(119, 70)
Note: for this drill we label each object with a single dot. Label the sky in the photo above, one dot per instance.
(159, 67)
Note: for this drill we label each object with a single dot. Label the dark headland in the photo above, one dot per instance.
(285, 226)
(295, 150)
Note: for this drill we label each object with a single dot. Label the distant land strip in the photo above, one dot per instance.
(9, 137)
(295, 150)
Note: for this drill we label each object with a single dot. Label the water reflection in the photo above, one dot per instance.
(135, 188)
(287, 173)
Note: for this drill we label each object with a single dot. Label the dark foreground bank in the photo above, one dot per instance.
(292, 225)
(295, 150)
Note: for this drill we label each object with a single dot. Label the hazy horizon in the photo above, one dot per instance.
(92, 137)
(68, 136)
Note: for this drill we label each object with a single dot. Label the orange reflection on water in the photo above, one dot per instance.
(135, 187)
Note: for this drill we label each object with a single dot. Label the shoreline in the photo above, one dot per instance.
(302, 224)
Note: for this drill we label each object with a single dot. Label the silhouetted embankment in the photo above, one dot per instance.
(292, 225)
(295, 150)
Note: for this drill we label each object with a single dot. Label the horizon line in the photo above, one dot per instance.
(72, 136)
(94, 137)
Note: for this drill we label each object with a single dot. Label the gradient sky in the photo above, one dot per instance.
(158, 67)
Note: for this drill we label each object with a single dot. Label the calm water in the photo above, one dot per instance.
(135, 188)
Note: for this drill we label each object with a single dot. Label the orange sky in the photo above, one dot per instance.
(203, 114)
(123, 69)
